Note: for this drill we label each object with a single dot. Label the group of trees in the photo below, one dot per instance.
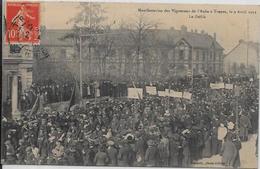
(129, 49)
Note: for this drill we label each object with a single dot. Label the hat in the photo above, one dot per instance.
(74, 107)
(129, 137)
(185, 131)
(230, 125)
(167, 113)
(110, 142)
(150, 142)
(8, 142)
(47, 108)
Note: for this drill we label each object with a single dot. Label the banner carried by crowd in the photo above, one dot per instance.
(229, 86)
(217, 85)
(187, 95)
(162, 93)
(221, 86)
(137, 93)
(90, 127)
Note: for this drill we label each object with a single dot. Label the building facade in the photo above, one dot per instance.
(17, 74)
(53, 56)
(243, 59)
(162, 53)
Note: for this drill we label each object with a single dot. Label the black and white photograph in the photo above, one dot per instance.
(130, 84)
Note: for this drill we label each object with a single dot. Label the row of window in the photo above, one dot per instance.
(179, 55)
(200, 67)
(184, 55)
(208, 68)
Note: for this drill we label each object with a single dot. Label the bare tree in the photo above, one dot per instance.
(89, 22)
(140, 31)
(105, 48)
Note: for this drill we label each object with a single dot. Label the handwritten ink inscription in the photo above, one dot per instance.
(22, 23)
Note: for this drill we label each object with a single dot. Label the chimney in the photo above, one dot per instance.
(215, 36)
(183, 28)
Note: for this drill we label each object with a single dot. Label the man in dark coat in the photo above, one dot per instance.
(245, 125)
(238, 145)
(10, 153)
(174, 149)
(7, 109)
(214, 141)
(89, 155)
(72, 156)
(186, 161)
(140, 147)
(123, 154)
(151, 155)
(228, 152)
(112, 154)
(164, 153)
(20, 153)
(101, 157)
(206, 152)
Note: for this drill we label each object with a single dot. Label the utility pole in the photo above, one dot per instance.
(169, 95)
(80, 53)
(247, 43)
(258, 58)
(80, 67)
(192, 68)
(236, 95)
(89, 48)
(80, 59)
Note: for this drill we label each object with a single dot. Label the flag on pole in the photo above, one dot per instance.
(36, 106)
(75, 96)
(88, 90)
(139, 92)
(97, 90)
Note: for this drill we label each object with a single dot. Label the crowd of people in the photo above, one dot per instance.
(153, 131)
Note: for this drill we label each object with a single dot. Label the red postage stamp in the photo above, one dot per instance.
(22, 23)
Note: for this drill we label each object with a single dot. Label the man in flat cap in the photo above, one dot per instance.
(112, 153)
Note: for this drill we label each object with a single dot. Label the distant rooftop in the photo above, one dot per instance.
(160, 37)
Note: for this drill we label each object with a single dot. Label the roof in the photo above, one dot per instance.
(154, 37)
(53, 37)
(196, 40)
(254, 45)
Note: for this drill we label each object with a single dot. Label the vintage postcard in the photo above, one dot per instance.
(130, 84)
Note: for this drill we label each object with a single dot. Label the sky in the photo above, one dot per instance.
(229, 27)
